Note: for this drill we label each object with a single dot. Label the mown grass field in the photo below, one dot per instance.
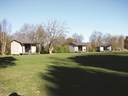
(69, 74)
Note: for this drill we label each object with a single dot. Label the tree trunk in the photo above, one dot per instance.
(4, 31)
(3, 47)
(122, 47)
(50, 49)
(2, 53)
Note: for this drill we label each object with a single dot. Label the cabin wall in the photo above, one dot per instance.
(33, 49)
(15, 47)
(71, 48)
(101, 49)
(76, 49)
(23, 49)
(109, 48)
(84, 48)
(18, 48)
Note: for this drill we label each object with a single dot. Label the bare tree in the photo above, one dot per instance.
(107, 38)
(41, 37)
(16, 35)
(54, 30)
(96, 39)
(27, 31)
(40, 34)
(121, 42)
(93, 39)
(99, 38)
(114, 43)
(5, 29)
(77, 37)
(69, 40)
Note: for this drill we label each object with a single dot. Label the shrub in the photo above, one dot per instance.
(61, 49)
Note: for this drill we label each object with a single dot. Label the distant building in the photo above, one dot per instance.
(77, 47)
(105, 47)
(23, 47)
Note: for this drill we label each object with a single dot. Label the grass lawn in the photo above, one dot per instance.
(69, 74)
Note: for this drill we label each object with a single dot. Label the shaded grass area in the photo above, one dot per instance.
(7, 61)
(90, 75)
(112, 62)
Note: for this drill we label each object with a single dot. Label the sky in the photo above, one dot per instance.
(82, 16)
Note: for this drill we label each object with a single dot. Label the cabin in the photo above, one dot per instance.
(23, 46)
(105, 47)
(77, 47)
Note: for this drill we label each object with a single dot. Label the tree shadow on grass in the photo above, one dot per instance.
(112, 62)
(6, 62)
(85, 80)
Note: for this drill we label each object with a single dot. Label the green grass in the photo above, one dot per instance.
(69, 74)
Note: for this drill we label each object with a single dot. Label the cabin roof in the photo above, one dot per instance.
(105, 45)
(24, 41)
(79, 43)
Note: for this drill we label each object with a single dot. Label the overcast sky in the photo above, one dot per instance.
(81, 16)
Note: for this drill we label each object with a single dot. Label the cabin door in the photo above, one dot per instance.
(79, 48)
(27, 47)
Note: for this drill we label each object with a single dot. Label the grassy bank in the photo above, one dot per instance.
(69, 74)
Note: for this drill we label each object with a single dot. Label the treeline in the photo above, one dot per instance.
(52, 37)
(117, 41)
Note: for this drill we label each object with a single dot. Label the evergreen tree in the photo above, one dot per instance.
(126, 43)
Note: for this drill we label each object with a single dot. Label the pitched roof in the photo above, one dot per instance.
(105, 45)
(24, 41)
(78, 43)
